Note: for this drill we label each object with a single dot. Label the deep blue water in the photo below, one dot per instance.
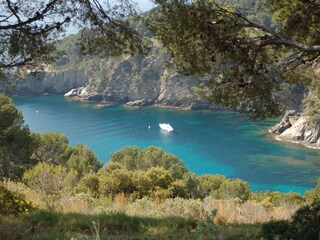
(207, 142)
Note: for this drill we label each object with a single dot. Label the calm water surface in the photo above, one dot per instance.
(207, 142)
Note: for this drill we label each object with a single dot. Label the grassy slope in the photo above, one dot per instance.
(49, 225)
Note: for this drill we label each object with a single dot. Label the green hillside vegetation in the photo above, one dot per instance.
(71, 52)
(50, 189)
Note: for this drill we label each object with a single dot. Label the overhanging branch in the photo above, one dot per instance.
(275, 39)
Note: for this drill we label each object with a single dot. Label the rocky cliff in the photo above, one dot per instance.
(297, 128)
(131, 80)
(53, 81)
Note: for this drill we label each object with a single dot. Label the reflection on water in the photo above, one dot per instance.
(207, 142)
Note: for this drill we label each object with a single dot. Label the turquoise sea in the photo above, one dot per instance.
(208, 142)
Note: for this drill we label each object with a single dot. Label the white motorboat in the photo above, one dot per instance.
(166, 126)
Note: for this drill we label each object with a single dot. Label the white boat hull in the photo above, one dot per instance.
(165, 126)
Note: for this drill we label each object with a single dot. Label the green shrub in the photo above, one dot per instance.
(89, 184)
(276, 230)
(306, 222)
(83, 160)
(191, 181)
(126, 157)
(305, 225)
(51, 147)
(16, 143)
(209, 183)
(12, 203)
(278, 198)
(207, 229)
(109, 167)
(233, 188)
(158, 177)
(132, 158)
(313, 195)
(118, 181)
(50, 181)
(179, 189)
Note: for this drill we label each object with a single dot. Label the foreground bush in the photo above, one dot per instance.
(49, 180)
(12, 203)
(313, 195)
(305, 225)
(16, 143)
(233, 188)
(132, 158)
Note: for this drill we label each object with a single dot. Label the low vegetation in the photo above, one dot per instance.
(52, 190)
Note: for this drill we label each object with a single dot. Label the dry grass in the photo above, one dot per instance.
(12, 228)
(120, 202)
(234, 211)
(73, 205)
(177, 207)
(228, 211)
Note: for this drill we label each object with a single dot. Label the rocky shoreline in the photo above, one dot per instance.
(295, 128)
(140, 103)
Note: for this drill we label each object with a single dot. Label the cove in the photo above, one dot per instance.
(207, 142)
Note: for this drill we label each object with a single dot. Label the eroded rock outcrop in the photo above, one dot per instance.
(134, 80)
(297, 128)
(53, 81)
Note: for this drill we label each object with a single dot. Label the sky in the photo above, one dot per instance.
(142, 5)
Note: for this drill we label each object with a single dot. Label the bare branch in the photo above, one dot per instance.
(36, 17)
(288, 43)
(276, 39)
(14, 10)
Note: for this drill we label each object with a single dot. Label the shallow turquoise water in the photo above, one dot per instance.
(207, 142)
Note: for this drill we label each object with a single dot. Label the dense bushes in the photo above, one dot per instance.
(16, 143)
(149, 178)
(313, 195)
(152, 172)
(277, 198)
(305, 225)
(233, 188)
(82, 160)
(148, 172)
(136, 173)
(51, 147)
(132, 158)
(21, 150)
(12, 203)
(209, 183)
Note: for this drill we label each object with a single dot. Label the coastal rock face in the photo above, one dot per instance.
(134, 80)
(53, 81)
(296, 128)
